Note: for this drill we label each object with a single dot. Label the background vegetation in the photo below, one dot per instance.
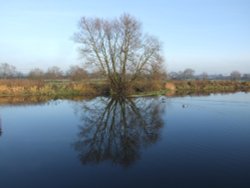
(76, 81)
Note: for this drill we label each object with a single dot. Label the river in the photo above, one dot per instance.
(191, 141)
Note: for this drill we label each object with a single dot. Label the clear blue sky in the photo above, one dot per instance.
(206, 35)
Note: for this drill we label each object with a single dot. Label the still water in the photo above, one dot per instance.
(192, 141)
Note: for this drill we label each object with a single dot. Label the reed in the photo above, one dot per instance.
(208, 86)
(45, 88)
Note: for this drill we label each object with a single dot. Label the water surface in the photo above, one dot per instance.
(201, 141)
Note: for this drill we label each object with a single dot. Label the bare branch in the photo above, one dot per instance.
(118, 47)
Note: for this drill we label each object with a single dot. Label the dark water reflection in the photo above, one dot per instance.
(0, 126)
(116, 129)
(191, 141)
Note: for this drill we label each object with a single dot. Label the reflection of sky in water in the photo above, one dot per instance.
(203, 142)
(0, 126)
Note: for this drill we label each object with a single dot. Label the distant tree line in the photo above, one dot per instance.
(76, 72)
(8, 71)
(189, 74)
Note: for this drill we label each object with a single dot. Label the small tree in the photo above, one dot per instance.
(246, 77)
(54, 73)
(118, 48)
(77, 73)
(7, 71)
(204, 76)
(36, 74)
(188, 74)
(235, 75)
(173, 75)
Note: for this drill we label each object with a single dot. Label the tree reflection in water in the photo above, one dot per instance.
(116, 129)
(0, 126)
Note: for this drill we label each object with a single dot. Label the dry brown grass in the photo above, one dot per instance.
(208, 86)
(42, 88)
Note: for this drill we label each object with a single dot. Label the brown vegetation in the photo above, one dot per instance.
(46, 88)
(170, 86)
(207, 86)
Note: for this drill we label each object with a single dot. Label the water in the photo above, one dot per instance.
(201, 141)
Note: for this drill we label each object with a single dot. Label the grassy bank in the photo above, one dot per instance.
(91, 88)
(48, 88)
(203, 86)
(66, 88)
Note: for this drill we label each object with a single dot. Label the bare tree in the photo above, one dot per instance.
(204, 76)
(77, 73)
(188, 73)
(54, 73)
(173, 75)
(118, 48)
(7, 71)
(246, 77)
(36, 73)
(157, 71)
(235, 75)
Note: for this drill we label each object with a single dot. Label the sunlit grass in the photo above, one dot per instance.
(66, 88)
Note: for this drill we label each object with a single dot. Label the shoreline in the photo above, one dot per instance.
(70, 89)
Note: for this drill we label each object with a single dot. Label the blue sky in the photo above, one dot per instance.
(206, 35)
